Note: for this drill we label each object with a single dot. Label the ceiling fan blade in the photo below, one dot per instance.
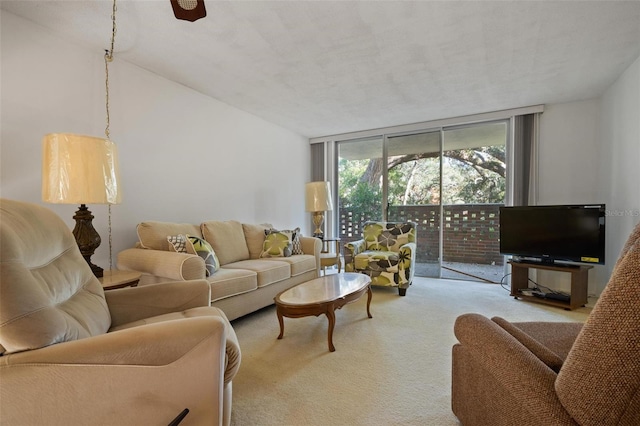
(188, 10)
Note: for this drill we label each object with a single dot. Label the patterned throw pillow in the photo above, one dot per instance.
(277, 243)
(177, 243)
(296, 245)
(205, 251)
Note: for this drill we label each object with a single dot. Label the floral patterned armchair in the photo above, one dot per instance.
(387, 253)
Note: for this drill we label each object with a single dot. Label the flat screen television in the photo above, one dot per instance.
(548, 234)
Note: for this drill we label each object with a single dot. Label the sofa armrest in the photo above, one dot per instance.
(135, 303)
(355, 247)
(312, 245)
(497, 349)
(163, 343)
(167, 264)
(410, 247)
(181, 362)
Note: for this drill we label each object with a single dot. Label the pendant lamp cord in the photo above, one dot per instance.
(108, 57)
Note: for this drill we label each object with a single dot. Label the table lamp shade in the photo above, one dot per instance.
(79, 169)
(318, 197)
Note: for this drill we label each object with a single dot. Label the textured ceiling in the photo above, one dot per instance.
(327, 67)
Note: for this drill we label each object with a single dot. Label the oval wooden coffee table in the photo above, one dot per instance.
(322, 296)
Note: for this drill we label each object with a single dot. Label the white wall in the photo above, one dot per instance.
(590, 153)
(568, 157)
(619, 158)
(183, 156)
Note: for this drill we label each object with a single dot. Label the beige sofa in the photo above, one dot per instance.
(244, 283)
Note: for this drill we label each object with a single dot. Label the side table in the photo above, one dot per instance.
(114, 278)
(329, 256)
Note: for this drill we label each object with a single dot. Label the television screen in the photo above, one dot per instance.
(573, 233)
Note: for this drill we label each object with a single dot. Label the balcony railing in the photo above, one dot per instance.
(471, 232)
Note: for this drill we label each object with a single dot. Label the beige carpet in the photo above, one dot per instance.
(393, 369)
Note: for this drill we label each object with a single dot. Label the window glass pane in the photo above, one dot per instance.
(360, 171)
(474, 166)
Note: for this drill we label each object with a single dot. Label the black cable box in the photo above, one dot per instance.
(557, 296)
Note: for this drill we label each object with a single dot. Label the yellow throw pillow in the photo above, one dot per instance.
(277, 243)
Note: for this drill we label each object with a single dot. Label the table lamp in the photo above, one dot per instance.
(318, 200)
(81, 170)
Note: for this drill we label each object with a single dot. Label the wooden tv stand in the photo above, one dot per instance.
(579, 281)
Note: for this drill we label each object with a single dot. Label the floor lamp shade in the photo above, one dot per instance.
(318, 200)
(80, 170)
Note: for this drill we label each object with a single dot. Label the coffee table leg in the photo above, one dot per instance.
(331, 316)
(281, 321)
(369, 295)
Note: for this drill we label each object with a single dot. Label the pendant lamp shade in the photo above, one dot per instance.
(79, 169)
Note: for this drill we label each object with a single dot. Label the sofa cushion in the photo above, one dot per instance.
(153, 235)
(231, 282)
(227, 240)
(269, 270)
(300, 263)
(377, 260)
(254, 236)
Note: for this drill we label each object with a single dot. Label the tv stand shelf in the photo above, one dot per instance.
(579, 281)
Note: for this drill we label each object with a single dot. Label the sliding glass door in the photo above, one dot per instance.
(450, 181)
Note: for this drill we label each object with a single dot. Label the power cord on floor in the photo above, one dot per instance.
(502, 283)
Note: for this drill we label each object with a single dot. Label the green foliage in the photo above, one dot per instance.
(470, 176)
(364, 201)
(415, 182)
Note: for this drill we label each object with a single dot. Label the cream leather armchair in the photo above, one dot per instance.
(73, 354)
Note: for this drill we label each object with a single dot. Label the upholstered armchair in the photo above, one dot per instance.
(387, 253)
(71, 353)
(550, 373)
